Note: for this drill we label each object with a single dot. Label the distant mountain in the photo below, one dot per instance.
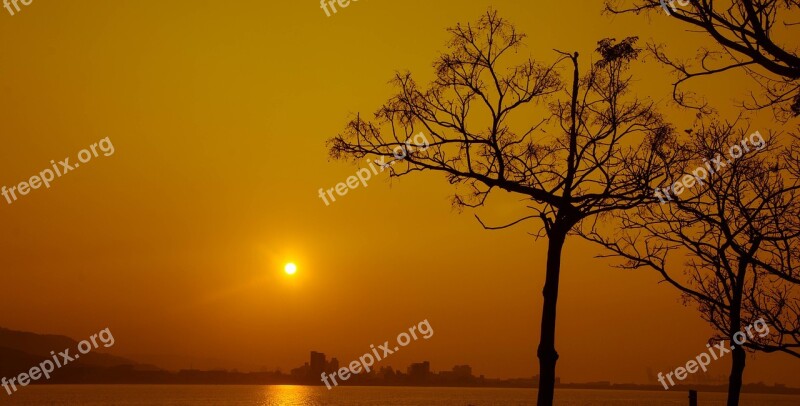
(20, 351)
(34, 344)
(12, 361)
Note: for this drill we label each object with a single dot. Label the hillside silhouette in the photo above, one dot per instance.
(20, 351)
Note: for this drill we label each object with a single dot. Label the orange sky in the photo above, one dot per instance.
(219, 112)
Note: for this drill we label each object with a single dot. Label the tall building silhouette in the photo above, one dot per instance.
(419, 372)
(318, 364)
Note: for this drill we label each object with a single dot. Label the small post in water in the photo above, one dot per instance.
(692, 398)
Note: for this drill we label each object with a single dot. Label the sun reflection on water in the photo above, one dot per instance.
(290, 395)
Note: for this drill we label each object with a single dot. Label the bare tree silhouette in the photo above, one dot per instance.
(739, 235)
(501, 121)
(758, 36)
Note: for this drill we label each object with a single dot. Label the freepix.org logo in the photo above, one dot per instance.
(670, 4)
(7, 5)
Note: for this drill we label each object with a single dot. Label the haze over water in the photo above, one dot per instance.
(138, 395)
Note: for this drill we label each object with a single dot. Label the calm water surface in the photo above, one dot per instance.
(167, 395)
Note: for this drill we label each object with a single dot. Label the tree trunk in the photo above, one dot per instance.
(737, 371)
(737, 351)
(547, 344)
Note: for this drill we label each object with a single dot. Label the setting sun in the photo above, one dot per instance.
(290, 268)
